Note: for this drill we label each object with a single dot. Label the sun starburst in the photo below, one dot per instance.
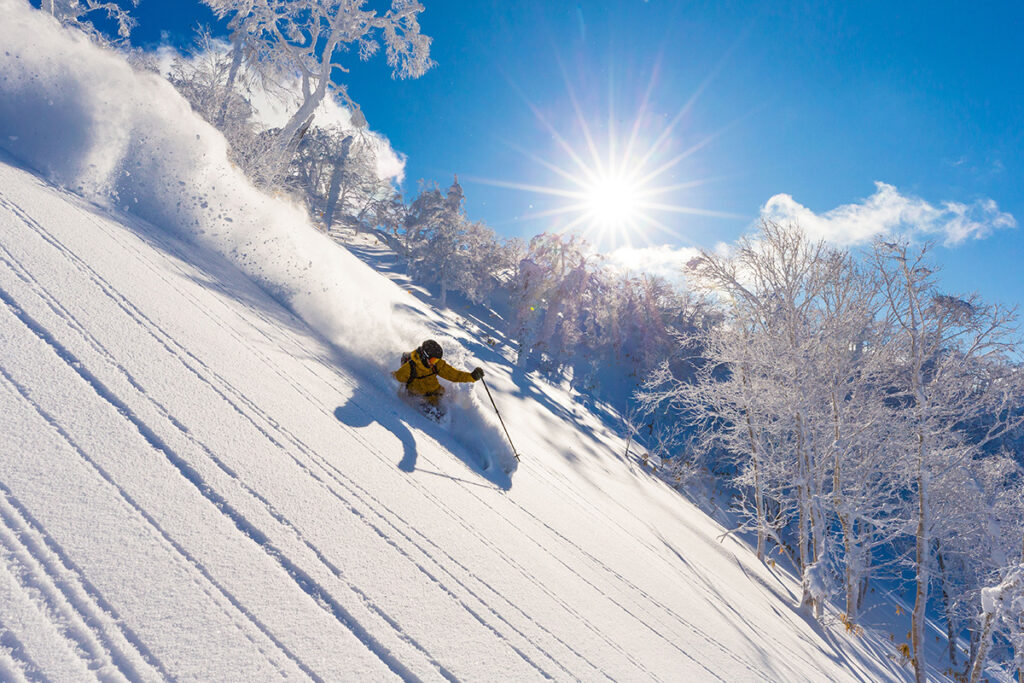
(625, 191)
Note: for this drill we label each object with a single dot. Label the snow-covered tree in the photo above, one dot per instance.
(335, 169)
(203, 78)
(1002, 609)
(954, 369)
(79, 13)
(309, 42)
(858, 404)
(483, 260)
(853, 364)
(778, 289)
(794, 383)
(637, 318)
(717, 404)
(978, 531)
(548, 295)
(435, 236)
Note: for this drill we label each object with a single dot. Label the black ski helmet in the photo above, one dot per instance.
(431, 349)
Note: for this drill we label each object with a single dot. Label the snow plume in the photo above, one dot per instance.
(887, 213)
(125, 139)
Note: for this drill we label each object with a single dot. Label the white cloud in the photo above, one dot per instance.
(889, 213)
(665, 261)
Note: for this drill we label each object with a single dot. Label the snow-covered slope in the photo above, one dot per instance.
(198, 483)
(193, 484)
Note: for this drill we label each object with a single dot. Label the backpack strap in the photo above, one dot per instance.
(407, 358)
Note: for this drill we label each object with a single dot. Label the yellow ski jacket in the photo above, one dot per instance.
(421, 379)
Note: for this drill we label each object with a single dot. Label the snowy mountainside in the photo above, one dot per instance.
(193, 484)
(205, 472)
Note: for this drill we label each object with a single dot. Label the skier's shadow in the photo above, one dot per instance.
(355, 415)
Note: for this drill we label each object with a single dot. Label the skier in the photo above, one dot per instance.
(421, 367)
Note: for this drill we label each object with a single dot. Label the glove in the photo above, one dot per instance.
(477, 374)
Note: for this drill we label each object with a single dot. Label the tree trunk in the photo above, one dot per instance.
(335, 187)
(917, 622)
(762, 523)
(851, 578)
(972, 651)
(950, 618)
(804, 515)
(982, 652)
(289, 136)
(236, 63)
(1020, 672)
(817, 543)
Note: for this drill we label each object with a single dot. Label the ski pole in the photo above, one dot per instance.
(514, 452)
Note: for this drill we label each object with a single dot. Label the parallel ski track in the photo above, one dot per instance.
(402, 527)
(86, 620)
(340, 478)
(15, 666)
(303, 579)
(15, 663)
(191, 561)
(712, 596)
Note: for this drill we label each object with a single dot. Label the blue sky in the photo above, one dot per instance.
(735, 102)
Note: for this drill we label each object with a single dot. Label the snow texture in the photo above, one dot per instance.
(206, 478)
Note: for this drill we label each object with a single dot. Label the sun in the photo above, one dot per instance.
(613, 200)
(617, 185)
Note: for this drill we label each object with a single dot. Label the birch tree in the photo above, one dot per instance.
(775, 284)
(310, 41)
(954, 369)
